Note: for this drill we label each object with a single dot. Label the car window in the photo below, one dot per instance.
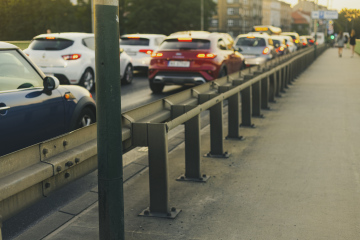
(89, 43)
(135, 41)
(193, 44)
(276, 43)
(270, 41)
(251, 42)
(221, 44)
(16, 72)
(55, 44)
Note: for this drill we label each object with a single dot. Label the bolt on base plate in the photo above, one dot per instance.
(183, 178)
(224, 155)
(171, 215)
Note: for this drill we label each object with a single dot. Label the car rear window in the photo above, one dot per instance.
(50, 44)
(134, 41)
(193, 44)
(251, 42)
(276, 43)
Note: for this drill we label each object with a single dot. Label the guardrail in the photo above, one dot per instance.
(33, 173)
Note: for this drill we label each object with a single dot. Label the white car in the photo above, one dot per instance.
(290, 43)
(71, 58)
(140, 47)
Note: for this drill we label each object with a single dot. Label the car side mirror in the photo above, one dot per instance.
(50, 83)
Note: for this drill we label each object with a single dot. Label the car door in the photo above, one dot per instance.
(28, 115)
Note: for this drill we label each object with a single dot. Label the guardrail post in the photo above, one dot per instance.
(256, 99)
(234, 117)
(0, 229)
(192, 149)
(278, 83)
(217, 132)
(272, 88)
(282, 79)
(265, 93)
(246, 107)
(158, 173)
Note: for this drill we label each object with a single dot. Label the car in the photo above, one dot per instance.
(289, 43)
(140, 47)
(33, 106)
(304, 41)
(280, 45)
(192, 58)
(295, 36)
(70, 57)
(320, 37)
(256, 48)
(310, 40)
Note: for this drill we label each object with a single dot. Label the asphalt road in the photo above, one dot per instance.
(134, 95)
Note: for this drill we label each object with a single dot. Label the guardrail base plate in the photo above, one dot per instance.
(171, 215)
(202, 179)
(224, 155)
(240, 138)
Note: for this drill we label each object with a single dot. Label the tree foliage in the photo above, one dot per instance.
(24, 19)
(348, 19)
(164, 17)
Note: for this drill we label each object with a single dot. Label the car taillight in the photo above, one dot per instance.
(147, 51)
(71, 56)
(288, 45)
(206, 55)
(184, 39)
(304, 43)
(312, 41)
(296, 41)
(266, 50)
(281, 48)
(156, 54)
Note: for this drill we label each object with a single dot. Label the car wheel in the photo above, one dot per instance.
(128, 75)
(222, 73)
(156, 87)
(88, 79)
(85, 118)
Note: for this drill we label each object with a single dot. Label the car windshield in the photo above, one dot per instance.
(251, 42)
(134, 41)
(193, 44)
(15, 71)
(56, 44)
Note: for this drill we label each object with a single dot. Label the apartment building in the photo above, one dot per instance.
(277, 14)
(285, 16)
(236, 16)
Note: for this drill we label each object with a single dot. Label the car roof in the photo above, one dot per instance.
(289, 33)
(68, 35)
(254, 35)
(5, 45)
(145, 35)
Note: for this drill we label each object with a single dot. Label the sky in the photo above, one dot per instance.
(336, 4)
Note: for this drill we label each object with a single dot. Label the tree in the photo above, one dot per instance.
(348, 19)
(165, 17)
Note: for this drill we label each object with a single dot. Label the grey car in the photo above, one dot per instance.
(256, 48)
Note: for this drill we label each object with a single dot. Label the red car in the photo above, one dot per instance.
(192, 58)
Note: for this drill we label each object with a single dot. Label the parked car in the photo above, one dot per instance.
(280, 45)
(290, 43)
(256, 48)
(70, 57)
(33, 107)
(140, 47)
(192, 58)
(295, 36)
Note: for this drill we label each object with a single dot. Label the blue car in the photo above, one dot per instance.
(34, 107)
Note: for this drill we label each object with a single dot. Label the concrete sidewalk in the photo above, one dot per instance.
(295, 176)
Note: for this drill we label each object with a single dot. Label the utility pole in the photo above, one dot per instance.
(202, 14)
(315, 26)
(109, 129)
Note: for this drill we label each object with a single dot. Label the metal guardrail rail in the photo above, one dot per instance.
(30, 174)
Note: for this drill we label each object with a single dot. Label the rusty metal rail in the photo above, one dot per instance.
(33, 173)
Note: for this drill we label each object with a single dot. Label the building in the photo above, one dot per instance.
(285, 16)
(236, 16)
(307, 6)
(301, 22)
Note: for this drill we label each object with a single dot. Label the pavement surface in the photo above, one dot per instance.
(295, 176)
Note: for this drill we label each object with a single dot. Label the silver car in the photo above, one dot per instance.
(256, 48)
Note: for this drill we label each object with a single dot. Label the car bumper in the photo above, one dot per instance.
(255, 61)
(178, 80)
(72, 75)
(141, 62)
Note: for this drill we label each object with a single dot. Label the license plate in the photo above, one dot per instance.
(179, 64)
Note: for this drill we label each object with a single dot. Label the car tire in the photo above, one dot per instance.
(222, 72)
(156, 87)
(88, 79)
(86, 117)
(128, 75)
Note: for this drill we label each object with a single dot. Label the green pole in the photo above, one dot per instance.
(110, 170)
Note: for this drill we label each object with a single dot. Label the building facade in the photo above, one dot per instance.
(285, 15)
(236, 16)
(277, 14)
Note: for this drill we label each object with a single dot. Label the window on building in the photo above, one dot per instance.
(214, 22)
(230, 22)
(230, 1)
(230, 11)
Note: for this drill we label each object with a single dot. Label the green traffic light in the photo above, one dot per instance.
(332, 37)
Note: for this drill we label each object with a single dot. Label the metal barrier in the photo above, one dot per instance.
(33, 173)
